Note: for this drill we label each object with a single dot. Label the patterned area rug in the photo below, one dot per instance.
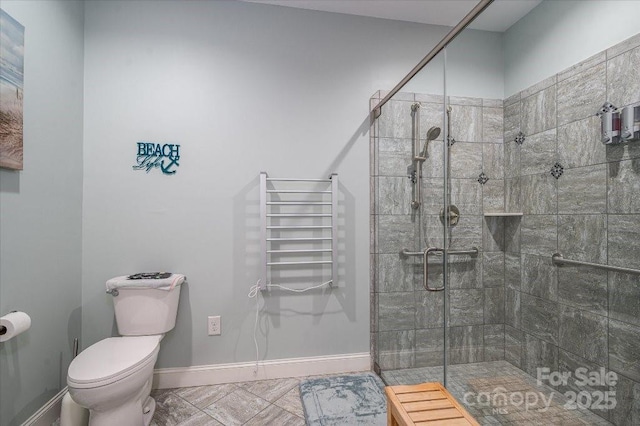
(355, 399)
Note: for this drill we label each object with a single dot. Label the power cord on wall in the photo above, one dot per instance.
(254, 291)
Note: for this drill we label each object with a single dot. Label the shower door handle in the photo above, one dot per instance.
(425, 268)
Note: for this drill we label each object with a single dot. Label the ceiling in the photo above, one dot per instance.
(501, 15)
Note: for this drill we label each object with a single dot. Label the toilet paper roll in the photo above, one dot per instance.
(13, 324)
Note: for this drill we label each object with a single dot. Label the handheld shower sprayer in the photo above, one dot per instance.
(418, 160)
(432, 134)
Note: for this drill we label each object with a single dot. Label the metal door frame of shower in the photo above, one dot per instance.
(469, 17)
(448, 207)
(445, 228)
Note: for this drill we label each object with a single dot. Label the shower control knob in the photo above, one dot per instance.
(452, 216)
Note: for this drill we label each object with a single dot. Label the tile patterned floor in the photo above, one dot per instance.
(277, 402)
(268, 402)
(499, 377)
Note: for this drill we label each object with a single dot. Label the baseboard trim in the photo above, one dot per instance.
(48, 413)
(203, 375)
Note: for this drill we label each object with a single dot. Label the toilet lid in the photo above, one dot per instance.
(112, 358)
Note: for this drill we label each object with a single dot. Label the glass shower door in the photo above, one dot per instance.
(436, 156)
(408, 181)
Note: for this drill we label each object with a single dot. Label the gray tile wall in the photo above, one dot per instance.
(563, 318)
(407, 321)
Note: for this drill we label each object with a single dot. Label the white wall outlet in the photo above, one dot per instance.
(213, 325)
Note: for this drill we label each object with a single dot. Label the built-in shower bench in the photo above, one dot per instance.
(425, 404)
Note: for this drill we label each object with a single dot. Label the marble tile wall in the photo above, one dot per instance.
(407, 321)
(563, 318)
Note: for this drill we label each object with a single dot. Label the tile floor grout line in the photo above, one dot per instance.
(201, 410)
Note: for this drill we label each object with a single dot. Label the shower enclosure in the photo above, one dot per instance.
(474, 195)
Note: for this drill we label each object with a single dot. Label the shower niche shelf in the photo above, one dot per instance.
(502, 214)
(299, 230)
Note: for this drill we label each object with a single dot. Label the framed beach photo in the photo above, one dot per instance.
(11, 91)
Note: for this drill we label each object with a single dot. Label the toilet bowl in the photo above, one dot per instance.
(113, 377)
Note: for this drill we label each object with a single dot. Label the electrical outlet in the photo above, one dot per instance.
(213, 325)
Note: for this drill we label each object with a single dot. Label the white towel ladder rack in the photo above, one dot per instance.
(294, 220)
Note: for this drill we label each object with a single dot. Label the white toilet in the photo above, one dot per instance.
(113, 377)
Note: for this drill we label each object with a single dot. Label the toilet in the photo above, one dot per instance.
(113, 377)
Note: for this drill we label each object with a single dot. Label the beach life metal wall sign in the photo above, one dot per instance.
(151, 156)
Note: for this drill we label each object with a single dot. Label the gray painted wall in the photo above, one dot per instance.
(41, 210)
(485, 79)
(243, 88)
(557, 34)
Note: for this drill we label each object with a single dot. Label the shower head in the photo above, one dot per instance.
(432, 134)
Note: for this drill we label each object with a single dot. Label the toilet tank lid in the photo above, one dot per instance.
(147, 280)
(112, 357)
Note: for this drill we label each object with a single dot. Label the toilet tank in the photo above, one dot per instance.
(146, 311)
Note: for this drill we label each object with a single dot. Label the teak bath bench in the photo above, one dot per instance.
(426, 404)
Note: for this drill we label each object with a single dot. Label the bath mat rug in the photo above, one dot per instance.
(353, 399)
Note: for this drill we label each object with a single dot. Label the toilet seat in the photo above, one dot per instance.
(112, 359)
